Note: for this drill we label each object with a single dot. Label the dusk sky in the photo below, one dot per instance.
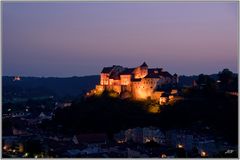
(80, 38)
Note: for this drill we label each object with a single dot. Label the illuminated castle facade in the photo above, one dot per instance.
(139, 83)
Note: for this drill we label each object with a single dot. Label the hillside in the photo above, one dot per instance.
(61, 87)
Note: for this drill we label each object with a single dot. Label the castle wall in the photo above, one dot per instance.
(110, 81)
(140, 72)
(115, 88)
(156, 95)
(125, 79)
(99, 89)
(144, 88)
(126, 88)
(116, 82)
(104, 79)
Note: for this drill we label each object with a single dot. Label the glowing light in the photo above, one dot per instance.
(5, 147)
(164, 156)
(26, 110)
(179, 146)
(141, 93)
(14, 151)
(153, 109)
(147, 140)
(9, 109)
(16, 78)
(203, 154)
(26, 154)
(35, 156)
(120, 141)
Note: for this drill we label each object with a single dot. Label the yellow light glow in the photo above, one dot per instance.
(164, 156)
(203, 154)
(141, 94)
(5, 147)
(120, 141)
(20, 148)
(35, 156)
(180, 146)
(26, 154)
(153, 109)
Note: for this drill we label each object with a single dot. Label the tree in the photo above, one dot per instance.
(206, 82)
(225, 78)
(32, 147)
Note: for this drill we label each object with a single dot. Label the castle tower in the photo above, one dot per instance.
(144, 69)
(141, 71)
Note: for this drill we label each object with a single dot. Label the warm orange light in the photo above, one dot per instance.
(203, 154)
(26, 154)
(164, 156)
(5, 147)
(120, 141)
(153, 109)
(179, 146)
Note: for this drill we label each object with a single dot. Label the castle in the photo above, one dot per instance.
(138, 83)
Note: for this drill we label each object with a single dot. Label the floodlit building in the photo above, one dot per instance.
(138, 83)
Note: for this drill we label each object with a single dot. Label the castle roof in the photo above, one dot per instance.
(154, 70)
(144, 65)
(114, 76)
(127, 71)
(107, 69)
(166, 74)
(152, 76)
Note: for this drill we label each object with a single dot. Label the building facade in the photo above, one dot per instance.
(139, 83)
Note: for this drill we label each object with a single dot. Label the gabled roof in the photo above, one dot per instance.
(152, 76)
(144, 65)
(107, 69)
(166, 74)
(154, 70)
(114, 76)
(127, 71)
(91, 138)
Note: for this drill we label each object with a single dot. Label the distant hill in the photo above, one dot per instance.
(61, 87)
(188, 80)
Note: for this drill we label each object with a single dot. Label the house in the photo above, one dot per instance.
(90, 139)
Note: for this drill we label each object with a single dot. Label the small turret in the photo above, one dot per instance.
(144, 65)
